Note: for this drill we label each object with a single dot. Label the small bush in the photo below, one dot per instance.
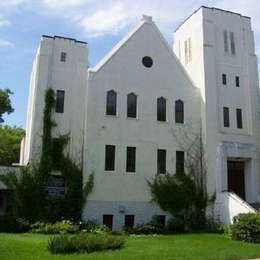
(214, 227)
(60, 227)
(146, 229)
(93, 228)
(12, 225)
(246, 227)
(65, 244)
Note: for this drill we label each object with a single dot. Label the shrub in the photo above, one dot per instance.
(65, 244)
(13, 225)
(60, 227)
(93, 228)
(145, 229)
(246, 227)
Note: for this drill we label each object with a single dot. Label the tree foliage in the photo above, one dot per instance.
(29, 198)
(5, 103)
(10, 139)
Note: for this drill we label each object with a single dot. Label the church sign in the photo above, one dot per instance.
(55, 186)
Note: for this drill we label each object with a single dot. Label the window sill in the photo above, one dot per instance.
(132, 118)
(130, 173)
(111, 116)
(110, 172)
(163, 122)
(179, 124)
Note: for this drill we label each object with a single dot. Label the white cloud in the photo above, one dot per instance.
(11, 3)
(105, 21)
(5, 43)
(57, 4)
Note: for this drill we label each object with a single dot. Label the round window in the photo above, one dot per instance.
(147, 61)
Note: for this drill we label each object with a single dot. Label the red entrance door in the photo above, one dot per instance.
(236, 178)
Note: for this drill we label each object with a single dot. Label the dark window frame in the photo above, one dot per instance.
(180, 162)
(63, 56)
(226, 120)
(224, 79)
(132, 105)
(161, 109)
(239, 117)
(237, 79)
(179, 111)
(130, 159)
(60, 101)
(110, 154)
(111, 103)
(108, 218)
(129, 220)
(161, 161)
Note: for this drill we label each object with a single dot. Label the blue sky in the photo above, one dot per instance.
(101, 23)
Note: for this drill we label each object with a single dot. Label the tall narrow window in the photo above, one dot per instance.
(110, 158)
(63, 56)
(186, 52)
(224, 79)
(179, 162)
(161, 161)
(225, 34)
(131, 105)
(239, 118)
(60, 96)
(179, 111)
(226, 116)
(237, 82)
(108, 221)
(111, 103)
(161, 109)
(189, 43)
(232, 43)
(130, 159)
(129, 220)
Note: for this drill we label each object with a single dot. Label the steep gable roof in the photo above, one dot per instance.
(145, 20)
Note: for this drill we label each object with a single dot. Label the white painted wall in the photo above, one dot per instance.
(122, 70)
(205, 28)
(49, 72)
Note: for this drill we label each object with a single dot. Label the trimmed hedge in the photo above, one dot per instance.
(80, 243)
(246, 227)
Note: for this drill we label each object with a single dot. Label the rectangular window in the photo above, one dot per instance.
(110, 158)
(226, 116)
(179, 162)
(189, 41)
(239, 118)
(186, 52)
(161, 109)
(161, 161)
(108, 221)
(130, 159)
(232, 43)
(63, 56)
(60, 96)
(129, 221)
(237, 82)
(225, 34)
(224, 79)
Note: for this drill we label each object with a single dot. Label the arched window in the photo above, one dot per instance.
(161, 109)
(111, 103)
(131, 105)
(179, 111)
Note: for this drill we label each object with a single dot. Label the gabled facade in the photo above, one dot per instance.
(127, 115)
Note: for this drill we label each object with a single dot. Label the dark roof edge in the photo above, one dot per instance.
(61, 37)
(212, 8)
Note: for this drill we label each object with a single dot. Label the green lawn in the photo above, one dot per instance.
(194, 246)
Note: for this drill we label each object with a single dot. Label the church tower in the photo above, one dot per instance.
(61, 64)
(216, 47)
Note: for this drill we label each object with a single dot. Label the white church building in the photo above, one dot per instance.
(124, 114)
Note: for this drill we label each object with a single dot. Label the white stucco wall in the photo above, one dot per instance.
(209, 61)
(125, 73)
(70, 76)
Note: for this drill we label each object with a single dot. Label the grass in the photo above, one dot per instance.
(192, 246)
